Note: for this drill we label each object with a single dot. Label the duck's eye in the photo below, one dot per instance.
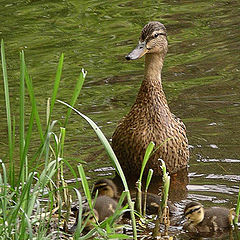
(156, 35)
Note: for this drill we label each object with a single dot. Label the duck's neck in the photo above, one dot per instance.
(153, 69)
(151, 88)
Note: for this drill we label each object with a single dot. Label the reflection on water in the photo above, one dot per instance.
(200, 77)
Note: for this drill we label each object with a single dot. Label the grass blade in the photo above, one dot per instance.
(146, 158)
(34, 104)
(3, 192)
(139, 182)
(26, 146)
(235, 221)
(78, 229)
(166, 185)
(56, 85)
(21, 123)
(101, 137)
(149, 178)
(163, 213)
(76, 93)
(8, 111)
(85, 185)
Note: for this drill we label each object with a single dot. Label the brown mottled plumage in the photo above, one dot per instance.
(150, 118)
(200, 220)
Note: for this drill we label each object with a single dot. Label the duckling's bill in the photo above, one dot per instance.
(138, 52)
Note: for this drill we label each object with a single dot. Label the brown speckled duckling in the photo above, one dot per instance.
(88, 216)
(200, 220)
(108, 188)
(104, 207)
(150, 118)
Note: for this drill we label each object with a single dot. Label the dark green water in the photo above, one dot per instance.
(200, 77)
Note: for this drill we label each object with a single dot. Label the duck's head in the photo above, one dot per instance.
(105, 187)
(194, 213)
(153, 39)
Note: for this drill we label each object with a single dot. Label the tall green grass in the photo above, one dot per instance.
(22, 211)
(9, 118)
(23, 214)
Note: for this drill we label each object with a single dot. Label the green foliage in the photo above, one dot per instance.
(8, 112)
(149, 178)
(24, 213)
(235, 221)
(139, 183)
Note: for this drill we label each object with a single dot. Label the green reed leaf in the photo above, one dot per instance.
(85, 185)
(8, 111)
(76, 93)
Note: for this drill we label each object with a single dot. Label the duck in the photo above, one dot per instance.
(106, 187)
(150, 118)
(205, 220)
(104, 207)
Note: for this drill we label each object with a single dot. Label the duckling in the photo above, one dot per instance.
(153, 202)
(150, 118)
(104, 207)
(86, 214)
(107, 187)
(213, 219)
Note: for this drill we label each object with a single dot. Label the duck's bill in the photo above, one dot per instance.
(138, 52)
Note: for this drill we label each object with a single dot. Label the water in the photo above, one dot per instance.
(200, 77)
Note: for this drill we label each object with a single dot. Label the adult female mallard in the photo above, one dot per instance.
(150, 118)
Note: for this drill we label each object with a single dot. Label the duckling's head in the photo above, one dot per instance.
(194, 213)
(87, 215)
(88, 218)
(105, 187)
(153, 39)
